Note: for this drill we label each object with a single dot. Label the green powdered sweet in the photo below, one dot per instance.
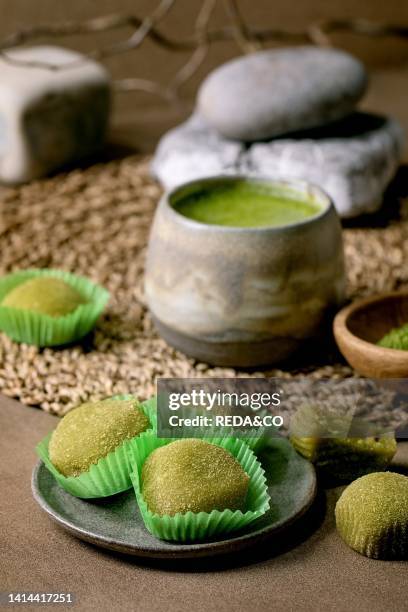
(341, 447)
(45, 295)
(193, 475)
(372, 515)
(397, 338)
(91, 431)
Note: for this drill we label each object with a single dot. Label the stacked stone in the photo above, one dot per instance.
(287, 114)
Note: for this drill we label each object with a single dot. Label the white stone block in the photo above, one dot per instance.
(54, 109)
(353, 160)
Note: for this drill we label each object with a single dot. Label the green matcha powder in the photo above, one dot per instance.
(397, 338)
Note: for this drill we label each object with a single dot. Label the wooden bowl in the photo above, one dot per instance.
(359, 326)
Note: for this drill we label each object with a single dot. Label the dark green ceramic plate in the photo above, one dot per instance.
(115, 522)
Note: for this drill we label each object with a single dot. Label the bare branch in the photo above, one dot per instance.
(197, 45)
(363, 26)
(241, 32)
(144, 27)
(151, 87)
(200, 53)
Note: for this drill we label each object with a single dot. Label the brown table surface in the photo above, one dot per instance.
(309, 568)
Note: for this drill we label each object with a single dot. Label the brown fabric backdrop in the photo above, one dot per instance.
(387, 58)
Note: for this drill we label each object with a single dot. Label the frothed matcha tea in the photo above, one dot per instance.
(245, 204)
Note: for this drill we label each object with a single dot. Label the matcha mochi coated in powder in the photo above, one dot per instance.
(193, 475)
(49, 307)
(92, 431)
(45, 295)
(372, 515)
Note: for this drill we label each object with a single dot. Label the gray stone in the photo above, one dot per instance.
(54, 110)
(353, 160)
(275, 92)
(194, 150)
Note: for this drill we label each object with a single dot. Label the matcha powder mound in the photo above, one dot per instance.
(397, 338)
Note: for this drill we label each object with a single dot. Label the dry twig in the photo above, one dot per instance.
(247, 38)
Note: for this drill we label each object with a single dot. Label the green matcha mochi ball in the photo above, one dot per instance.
(193, 475)
(45, 295)
(91, 431)
(372, 515)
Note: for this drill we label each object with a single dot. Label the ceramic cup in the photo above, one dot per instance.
(238, 296)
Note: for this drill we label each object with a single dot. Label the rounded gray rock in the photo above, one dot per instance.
(274, 92)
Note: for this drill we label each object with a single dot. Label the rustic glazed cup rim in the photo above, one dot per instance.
(317, 195)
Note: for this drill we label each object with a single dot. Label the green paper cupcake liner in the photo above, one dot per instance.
(202, 525)
(111, 474)
(150, 405)
(43, 330)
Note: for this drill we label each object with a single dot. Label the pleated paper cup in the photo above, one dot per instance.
(44, 330)
(111, 474)
(193, 526)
